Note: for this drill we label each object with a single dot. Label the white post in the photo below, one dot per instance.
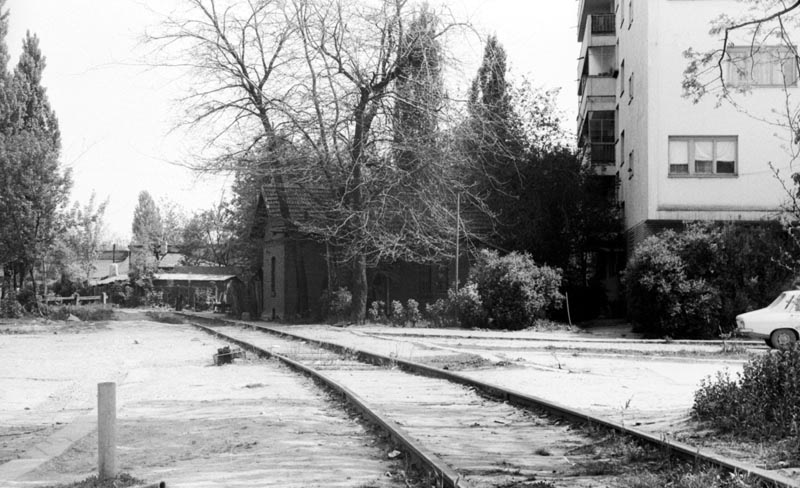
(106, 430)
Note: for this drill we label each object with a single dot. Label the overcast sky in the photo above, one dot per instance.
(116, 114)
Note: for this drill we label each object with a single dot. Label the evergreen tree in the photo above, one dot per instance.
(493, 138)
(34, 188)
(420, 93)
(147, 227)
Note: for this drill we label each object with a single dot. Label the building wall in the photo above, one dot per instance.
(633, 98)
(300, 275)
(652, 48)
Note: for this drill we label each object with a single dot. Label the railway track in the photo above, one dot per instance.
(465, 433)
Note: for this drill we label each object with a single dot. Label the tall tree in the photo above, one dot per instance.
(493, 136)
(33, 185)
(147, 226)
(173, 221)
(420, 93)
(209, 237)
(85, 233)
(314, 88)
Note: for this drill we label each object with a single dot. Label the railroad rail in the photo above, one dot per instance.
(455, 469)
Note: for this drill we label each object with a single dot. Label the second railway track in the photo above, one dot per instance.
(470, 434)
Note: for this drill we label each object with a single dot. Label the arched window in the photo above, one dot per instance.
(272, 275)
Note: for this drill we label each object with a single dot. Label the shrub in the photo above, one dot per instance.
(662, 299)
(377, 311)
(412, 312)
(462, 308)
(694, 283)
(467, 306)
(27, 298)
(436, 312)
(515, 291)
(10, 308)
(762, 403)
(398, 316)
(336, 305)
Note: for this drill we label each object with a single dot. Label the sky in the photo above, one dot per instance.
(118, 115)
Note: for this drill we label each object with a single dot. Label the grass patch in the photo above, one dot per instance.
(688, 476)
(546, 325)
(639, 465)
(86, 313)
(123, 480)
(730, 352)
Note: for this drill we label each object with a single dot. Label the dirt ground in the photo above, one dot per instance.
(180, 419)
(190, 423)
(645, 384)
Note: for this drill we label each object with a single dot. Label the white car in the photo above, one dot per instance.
(777, 324)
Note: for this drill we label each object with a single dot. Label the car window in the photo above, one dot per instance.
(778, 301)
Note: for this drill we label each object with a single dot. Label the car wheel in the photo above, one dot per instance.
(782, 339)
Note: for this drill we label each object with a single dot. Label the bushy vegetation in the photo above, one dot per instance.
(10, 308)
(502, 292)
(400, 315)
(462, 308)
(693, 283)
(514, 290)
(761, 403)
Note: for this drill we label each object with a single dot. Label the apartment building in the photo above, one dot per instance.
(668, 159)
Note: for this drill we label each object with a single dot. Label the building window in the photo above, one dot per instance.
(630, 13)
(761, 66)
(630, 165)
(622, 78)
(703, 156)
(272, 262)
(601, 136)
(621, 13)
(630, 88)
(622, 149)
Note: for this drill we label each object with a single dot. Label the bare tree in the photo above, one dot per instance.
(321, 94)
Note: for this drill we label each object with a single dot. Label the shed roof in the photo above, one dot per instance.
(286, 206)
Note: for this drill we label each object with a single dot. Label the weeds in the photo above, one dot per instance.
(121, 481)
(87, 313)
(686, 476)
(761, 403)
(164, 317)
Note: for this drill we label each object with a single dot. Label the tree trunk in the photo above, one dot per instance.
(359, 303)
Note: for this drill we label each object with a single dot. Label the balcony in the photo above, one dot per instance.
(599, 156)
(599, 37)
(603, 24)
(588, 8)
(597, 86)
(602, 153)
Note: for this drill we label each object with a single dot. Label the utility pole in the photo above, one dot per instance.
(458, 232)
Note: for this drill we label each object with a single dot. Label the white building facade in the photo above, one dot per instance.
(671, 160)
